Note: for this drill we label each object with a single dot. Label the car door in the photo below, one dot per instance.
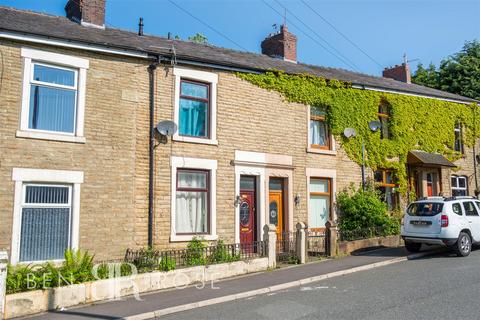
(473, 218)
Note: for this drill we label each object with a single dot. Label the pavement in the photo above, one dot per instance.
(240, 287)
(441, 286)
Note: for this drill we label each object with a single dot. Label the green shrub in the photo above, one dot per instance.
(77, 268)
(22, 278)
(147, 260)
(195, 255)
(167, 264)
(220, 254)
(360, 210)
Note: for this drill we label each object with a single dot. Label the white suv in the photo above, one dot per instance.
(453, 222)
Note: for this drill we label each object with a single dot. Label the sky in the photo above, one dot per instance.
(358, 35)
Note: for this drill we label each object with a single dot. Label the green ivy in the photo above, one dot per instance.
(415, 123)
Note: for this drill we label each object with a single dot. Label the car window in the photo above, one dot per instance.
(425, 209)
(457, 208)
(470, 209)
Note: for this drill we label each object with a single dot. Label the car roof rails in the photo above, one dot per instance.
(460, 198)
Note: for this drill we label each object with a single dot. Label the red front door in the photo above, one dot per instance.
(247, 210)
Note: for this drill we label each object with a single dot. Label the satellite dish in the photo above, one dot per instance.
(166, 127)
(349, 132)
(374, 125)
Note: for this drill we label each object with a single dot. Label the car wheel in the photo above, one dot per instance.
(464, 245)
(413, 246)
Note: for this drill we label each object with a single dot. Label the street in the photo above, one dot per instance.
(435, 287)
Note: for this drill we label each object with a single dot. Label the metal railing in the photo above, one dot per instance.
(147, 259)
(316, 242)
(286, 246)
(365, 233)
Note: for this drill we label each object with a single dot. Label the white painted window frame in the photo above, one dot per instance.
(458, 180)
(206, 77)
(25, 176)
(79, 65)
(331, 152)
(194, 163)
(319, 174)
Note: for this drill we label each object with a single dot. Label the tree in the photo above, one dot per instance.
(426, 77)
(198, 38)
(458, 73)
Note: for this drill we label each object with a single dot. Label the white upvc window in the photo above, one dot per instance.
(53, 98)
(193, 203)
(459, 186)
(195, 106)
(46, 214)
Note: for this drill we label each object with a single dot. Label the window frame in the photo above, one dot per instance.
(311, 148)
(31, 57)
(383, 115)
(457, 178)
(385, 184)
(316, 193)
(458, 129)
(194, 164)
(328, 145)
(23, 177)
(207, 100)
(196, 76)
(206, 190)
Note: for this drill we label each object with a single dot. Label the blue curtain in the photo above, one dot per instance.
(193, 118)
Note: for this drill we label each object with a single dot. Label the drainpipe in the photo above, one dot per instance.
(151, 159)
(473, 149)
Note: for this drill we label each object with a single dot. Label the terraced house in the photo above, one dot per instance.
(83, 166)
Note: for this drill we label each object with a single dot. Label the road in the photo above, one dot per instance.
(435, 287)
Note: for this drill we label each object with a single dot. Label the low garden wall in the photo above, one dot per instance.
(31, 302)
(347, 247)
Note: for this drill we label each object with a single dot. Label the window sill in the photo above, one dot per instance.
(322, 151)
(195, 140)
(49, 136)
(189, 237)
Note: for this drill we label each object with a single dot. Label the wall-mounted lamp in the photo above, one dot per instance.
(296, 200)
(237, 201)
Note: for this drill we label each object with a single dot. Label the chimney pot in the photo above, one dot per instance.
(282, 45)
(90, 13)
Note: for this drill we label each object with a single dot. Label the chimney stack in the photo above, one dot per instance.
(399, 72)
(90, 13)
(281, 45)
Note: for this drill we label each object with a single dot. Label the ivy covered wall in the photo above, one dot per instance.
(415, 123)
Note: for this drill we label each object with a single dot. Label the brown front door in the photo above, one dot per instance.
(275, 207)
(247, 209)
(429, 184)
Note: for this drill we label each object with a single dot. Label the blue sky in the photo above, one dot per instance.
(427, 30)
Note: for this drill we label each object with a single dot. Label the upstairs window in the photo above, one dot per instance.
(319, 133)
(384, 117)
(385, 184)
(458, 145)
(194, 109)
(459, 186)
(53, 92)
(53, 99)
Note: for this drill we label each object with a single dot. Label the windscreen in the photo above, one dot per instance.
(426, 209)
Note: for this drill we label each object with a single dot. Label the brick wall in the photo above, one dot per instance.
(116, 125)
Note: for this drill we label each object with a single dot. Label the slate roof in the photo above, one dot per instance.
(417, 157)
(61, 28)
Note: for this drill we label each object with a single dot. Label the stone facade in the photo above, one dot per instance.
(114, 157)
